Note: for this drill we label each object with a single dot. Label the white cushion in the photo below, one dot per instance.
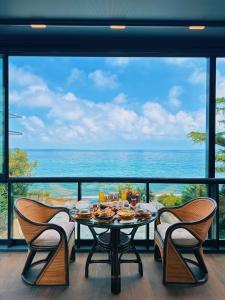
(51, 237)
(180, 236)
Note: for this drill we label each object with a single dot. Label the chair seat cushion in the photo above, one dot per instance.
(50, 238)
(180, 236)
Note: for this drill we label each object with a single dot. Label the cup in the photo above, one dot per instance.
(123, 196)
(133, 202)
(101, 196)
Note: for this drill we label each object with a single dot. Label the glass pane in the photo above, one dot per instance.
(1, 115)
(163, 195)
(220, 118)
(90, 192)
(52, 194)
(89, 116)
(3, 211)
(222, 211)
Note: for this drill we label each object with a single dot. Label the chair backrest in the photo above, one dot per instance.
(30, 212)
(201, 211)
(197, 209)
(33, 210)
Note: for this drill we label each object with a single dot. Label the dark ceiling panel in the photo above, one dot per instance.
(113, 9)
(102, 12)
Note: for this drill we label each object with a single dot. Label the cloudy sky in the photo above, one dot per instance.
(114, 103)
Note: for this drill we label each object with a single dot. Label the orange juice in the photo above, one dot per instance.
(123, 195)
(101, 196)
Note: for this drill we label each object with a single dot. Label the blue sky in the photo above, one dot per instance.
(100, 103)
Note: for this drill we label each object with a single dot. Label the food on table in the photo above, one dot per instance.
(104, 213)
(84, 214)
(142, 214)
(126, 214)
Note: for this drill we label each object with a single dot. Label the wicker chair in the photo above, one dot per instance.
(187, 235)
(43, 234)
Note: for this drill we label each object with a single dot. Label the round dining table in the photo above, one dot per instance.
(116, 242)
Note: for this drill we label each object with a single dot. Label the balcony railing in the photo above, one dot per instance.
(79, 185)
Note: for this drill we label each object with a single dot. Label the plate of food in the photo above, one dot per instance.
(125, 214)
(84, 214)
(142, 213)
(104, 214)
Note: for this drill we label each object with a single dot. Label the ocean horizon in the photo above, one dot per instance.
(116, 163)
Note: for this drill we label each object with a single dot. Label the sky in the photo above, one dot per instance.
(107, 102)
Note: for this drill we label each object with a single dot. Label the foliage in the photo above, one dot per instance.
(19, 165)
(222, 212)
(169, 199)
(3, 205)
(200, 137)
(129, 188)
(192, 191)
(39, 193)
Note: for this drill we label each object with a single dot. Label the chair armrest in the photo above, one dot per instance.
(39, 228)
(58, 209)
(166, 209)
(192, 227)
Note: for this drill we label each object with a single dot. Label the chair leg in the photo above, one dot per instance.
(109, 257)
(175, 269)
(56, 270)
(73, 254)
(29, 260)
(89, 259)
(157, 255)
(199, 257)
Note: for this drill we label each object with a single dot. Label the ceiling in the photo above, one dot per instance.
(83, 25)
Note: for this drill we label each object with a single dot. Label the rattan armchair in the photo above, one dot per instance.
(43, 234)
(173, 241)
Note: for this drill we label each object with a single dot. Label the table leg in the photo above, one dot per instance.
(115, 264)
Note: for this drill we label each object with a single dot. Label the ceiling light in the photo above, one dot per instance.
(38, 26)
(118, 27)
(196, 27)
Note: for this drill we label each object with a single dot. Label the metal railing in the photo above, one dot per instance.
(212, 185)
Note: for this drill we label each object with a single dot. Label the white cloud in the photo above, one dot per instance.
(197, 74)
(79, 122)
(29, 89)
(120, 61)
(75, 75)
(23, 77)
(197, 77)
(174, 94)
(70, 97)
(33, 124)
(121, 98)
(103, 79)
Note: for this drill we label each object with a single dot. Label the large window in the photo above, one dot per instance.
(139, 117)
(134, 117)
(220, 118)
(3, 187)
(2, 108)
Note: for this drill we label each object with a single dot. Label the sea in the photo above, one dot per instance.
(115, 163)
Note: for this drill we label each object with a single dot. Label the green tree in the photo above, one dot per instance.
(200, 137)
(169, 199)
(192, 191)
(19, 165)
